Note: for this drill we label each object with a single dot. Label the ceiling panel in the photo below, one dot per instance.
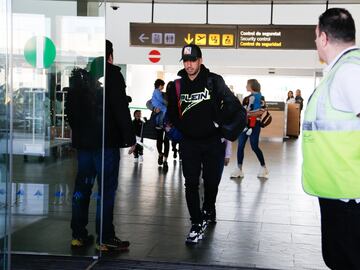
(248, 2)
(252, 2)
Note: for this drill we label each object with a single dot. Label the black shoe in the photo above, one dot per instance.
(165, 166)
(195, 234)
(160, 160)
(175, 154)
(209, 216)
(79, 242)
(113, 244)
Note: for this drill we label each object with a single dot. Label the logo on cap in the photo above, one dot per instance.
(187, 51)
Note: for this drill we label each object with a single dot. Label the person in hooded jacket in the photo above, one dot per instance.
(202, 149)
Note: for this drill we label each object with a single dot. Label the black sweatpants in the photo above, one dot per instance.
(208, 156)
(340, 231)
(162, 139)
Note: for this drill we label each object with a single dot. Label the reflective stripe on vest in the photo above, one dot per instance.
(331, 143)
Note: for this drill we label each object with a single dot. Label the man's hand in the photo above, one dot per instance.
(132, 149)
(156, 110)
(226, 161)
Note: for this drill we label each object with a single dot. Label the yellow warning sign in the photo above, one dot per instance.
(200, 39)
(214, 39)
(228, 40)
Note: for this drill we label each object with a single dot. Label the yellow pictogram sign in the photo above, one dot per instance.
(200, 39)
(228, 40)
(214, 39)
(188, 39)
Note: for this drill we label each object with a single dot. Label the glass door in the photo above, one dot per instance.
(55, 45)
(5, 15)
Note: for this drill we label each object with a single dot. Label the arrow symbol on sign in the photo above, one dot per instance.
(188, 39)
(142, 38)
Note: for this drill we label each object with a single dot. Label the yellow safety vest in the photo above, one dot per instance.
(331, 142)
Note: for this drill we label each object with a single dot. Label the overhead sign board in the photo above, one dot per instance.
(293, 37)
(178, 35)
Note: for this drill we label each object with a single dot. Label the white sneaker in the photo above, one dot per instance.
(237, 174)
(136, 160)
(264, 173)
(141, 159)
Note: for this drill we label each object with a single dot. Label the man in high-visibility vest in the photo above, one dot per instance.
(331, 140)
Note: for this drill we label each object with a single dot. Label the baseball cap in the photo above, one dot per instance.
(190, 52)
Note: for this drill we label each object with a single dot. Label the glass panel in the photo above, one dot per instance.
(53, 51)
(4, 129)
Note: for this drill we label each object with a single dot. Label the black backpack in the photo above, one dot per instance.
(231, 119)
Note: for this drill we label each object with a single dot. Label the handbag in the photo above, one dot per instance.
(265, 119)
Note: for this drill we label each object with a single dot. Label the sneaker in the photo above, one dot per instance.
(82, 242)
(249, 131)
(113, 244)
(264, 173)
(136, 160)
(194, 235)
(237, 174)
(141, 159)
(209, 216)
(160, 160)
(204, 225)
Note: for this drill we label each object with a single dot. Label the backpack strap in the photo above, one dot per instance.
(178, 89)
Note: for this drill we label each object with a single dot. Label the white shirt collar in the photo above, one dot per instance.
(333, 62)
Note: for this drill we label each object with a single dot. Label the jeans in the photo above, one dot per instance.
(208, 157)
(159, 119)
(254, 141)
(89, 169)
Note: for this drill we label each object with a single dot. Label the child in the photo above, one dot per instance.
(138, 128)
(159, 103)
(254, 108)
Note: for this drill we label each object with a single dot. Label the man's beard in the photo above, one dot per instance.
(194, 72)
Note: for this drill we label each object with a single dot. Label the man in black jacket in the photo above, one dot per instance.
(201, 95)
(85, 111)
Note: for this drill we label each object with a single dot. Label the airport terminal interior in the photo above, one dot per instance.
(261, 223)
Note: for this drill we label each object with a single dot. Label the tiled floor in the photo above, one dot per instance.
(265, 224)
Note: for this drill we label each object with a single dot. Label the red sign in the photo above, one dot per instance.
(154, 56)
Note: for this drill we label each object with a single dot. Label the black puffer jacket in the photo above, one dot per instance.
(119, 130)
(84, 107)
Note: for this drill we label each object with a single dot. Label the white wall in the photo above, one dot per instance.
(47, 8)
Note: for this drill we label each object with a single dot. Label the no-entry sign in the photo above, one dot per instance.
(154, 56)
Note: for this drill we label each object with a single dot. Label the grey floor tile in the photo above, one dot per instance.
(267, 224)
